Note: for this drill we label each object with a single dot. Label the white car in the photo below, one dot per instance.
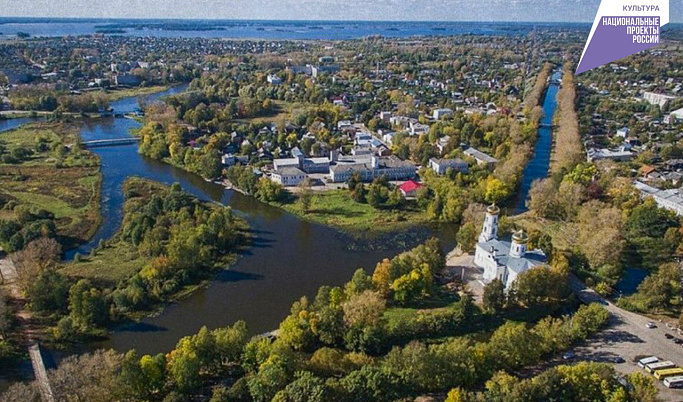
(650, 325)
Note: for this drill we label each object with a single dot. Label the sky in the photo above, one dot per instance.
(394, 10)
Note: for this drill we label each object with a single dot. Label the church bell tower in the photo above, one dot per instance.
(490, 229)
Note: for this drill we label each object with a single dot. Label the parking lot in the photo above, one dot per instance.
(628, 336)
(626, 339)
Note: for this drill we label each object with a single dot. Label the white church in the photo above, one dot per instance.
(502, 259)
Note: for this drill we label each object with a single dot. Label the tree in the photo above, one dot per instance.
(230, 342)
(371, 383)
(364, 309)
(269, 191)
(48, 291)
(513, 345)
(494, 296)
(87, 306)
(467, 237)
(305, 195)
(538, 285)
(271, 377)
(496, 190)
(543, 198)
(88, 377)
(377, 195)
(359, 283)
(601, 231)
(305, 388)
(210, 165)
(184, 365)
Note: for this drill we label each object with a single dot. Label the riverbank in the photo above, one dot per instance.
(337, 209)
(113, 95)
(147, 265)
(38, 173)
(118, 94)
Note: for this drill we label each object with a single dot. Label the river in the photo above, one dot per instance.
(540, 163)
(289, 257)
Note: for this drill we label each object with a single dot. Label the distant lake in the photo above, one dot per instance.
(254, 29)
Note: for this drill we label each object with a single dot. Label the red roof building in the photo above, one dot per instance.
(409, 188)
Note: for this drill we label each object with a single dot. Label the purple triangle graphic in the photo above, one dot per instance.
(610, 43)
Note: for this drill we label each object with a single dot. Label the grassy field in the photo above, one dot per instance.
(563, 233)
(113, 263)
(119, 94)
(337, 208)
(67, 186)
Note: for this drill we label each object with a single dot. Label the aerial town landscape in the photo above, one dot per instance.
(323, 211)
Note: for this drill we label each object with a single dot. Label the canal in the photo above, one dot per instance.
(540, 163)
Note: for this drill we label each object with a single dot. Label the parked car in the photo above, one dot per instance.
(650, 325)
(618, 360)
(569, 355)
(678, 341)
(668, 336)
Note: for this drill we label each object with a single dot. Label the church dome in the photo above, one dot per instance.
(493, 209)
(520, 237)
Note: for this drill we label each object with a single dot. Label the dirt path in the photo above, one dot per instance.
(10, 280)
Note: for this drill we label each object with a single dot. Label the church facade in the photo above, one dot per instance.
(501, 259)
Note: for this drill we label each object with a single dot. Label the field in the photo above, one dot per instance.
(68, 186)
(119, 94)
(110, 265)
(337, 208)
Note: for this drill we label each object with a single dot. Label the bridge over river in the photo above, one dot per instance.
(110, 143)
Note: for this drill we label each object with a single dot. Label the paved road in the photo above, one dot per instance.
(628, 337)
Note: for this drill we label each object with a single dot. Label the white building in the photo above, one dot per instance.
(439, 114)
(480, 157)
(655, 98)
(676, 115)
(440, 166)
(668, 199)
(442, 143)
(623, 132)
(274, 79)
(504, 260)
(622, 154)
(370, 167)
(288, 176)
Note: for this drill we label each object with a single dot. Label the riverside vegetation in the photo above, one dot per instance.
(392, 335)
(169, 242)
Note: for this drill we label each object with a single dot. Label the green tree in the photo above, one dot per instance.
(494, 296)
(87, 306)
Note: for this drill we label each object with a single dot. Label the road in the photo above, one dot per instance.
(628, 337)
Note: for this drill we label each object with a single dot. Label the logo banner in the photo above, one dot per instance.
(622, 28)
